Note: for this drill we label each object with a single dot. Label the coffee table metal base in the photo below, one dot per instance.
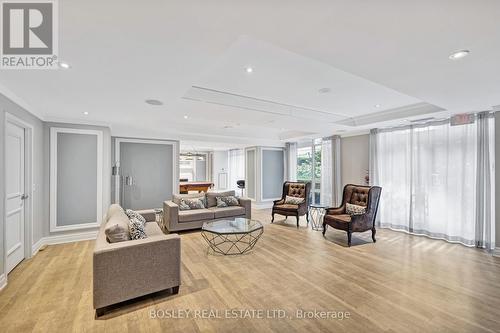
(231, 244)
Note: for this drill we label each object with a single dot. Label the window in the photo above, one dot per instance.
(309, 167)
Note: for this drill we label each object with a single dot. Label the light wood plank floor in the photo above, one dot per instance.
(400, 284)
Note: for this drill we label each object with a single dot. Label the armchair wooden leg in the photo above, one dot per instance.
(175, 290)
(349, 233)
(307, 218)
(272, 220)
(297, 221)
(324, 228)
(373, 234)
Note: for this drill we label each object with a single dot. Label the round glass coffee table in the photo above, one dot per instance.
(232, 236)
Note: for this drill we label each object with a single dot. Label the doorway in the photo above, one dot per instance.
(18, 196)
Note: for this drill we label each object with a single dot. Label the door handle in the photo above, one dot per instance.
(24, 197)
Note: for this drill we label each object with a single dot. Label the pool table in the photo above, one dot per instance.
(184, 187)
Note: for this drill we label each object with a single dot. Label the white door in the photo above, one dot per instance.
(14, 185)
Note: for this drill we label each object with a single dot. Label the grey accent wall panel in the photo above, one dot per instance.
(151, 169)
(273, 173)
(76, 178)
(250, 174)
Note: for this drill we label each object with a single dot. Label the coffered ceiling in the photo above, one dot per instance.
(264, 72)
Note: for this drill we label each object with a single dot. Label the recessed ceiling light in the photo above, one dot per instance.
(459, 54)
(154, 102)
(249, 69)
(186, 117)
(85, 113)
(64, 65)
(377, 105)
(324, 90)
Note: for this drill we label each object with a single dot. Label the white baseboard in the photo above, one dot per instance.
(61, 239)
(262, 205)
(496, 252)
(3, 281)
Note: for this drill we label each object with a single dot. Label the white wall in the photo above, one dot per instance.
(220, 165)
(354, 152)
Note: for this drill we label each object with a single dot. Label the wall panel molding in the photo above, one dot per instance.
(55, 225)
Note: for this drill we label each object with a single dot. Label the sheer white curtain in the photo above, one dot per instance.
(236, 167)
(291, 151)
(331, 187)
(326, 172)
(437, 180)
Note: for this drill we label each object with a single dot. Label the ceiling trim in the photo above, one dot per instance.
(20, 102)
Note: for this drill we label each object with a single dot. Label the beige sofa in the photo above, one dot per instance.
(133, 268)
(176, 220)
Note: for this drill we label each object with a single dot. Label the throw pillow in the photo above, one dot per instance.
(195, 203)
(133, 214)
(117, 228)
(354, 209)
(183, 205)
(293, 200)
(227, 201)
(136, 229)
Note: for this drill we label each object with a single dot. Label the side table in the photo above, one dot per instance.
(316, 212)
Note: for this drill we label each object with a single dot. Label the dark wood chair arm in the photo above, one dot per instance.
(335, 210)
(279, 202)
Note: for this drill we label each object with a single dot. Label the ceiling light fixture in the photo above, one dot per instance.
(324, 90)
(249, 69)
(186, 117)
(154, 102)
(377, 105)
(64, 65)
(85, 113)
(459, 54)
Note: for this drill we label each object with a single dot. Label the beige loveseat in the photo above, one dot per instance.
(133, 268)
(176, 220)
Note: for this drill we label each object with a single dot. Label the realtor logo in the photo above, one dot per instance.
(29, 35)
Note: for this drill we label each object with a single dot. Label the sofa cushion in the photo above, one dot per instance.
(195, 215)
(152, 229)
(289, 207)
(293, 200)
(211, 197)
(136, 229)
(345, 218)
(227, 211)
(194, 203)
(133, 214)
(117, 227)
(227, 201)
(354, 209)
(177, 197)
(114, 208)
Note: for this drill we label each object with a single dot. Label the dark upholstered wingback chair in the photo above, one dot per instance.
(367, 196)
(293, 189)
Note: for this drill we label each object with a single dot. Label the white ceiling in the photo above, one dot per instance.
(392, 53)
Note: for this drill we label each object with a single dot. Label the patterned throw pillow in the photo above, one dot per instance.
(227, 201)
(133, 214)
(194, 203)
(183, 206)
(354, 209)
(293, 200)
(136, 229)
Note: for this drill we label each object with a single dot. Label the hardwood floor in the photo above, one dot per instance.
(402, 283)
